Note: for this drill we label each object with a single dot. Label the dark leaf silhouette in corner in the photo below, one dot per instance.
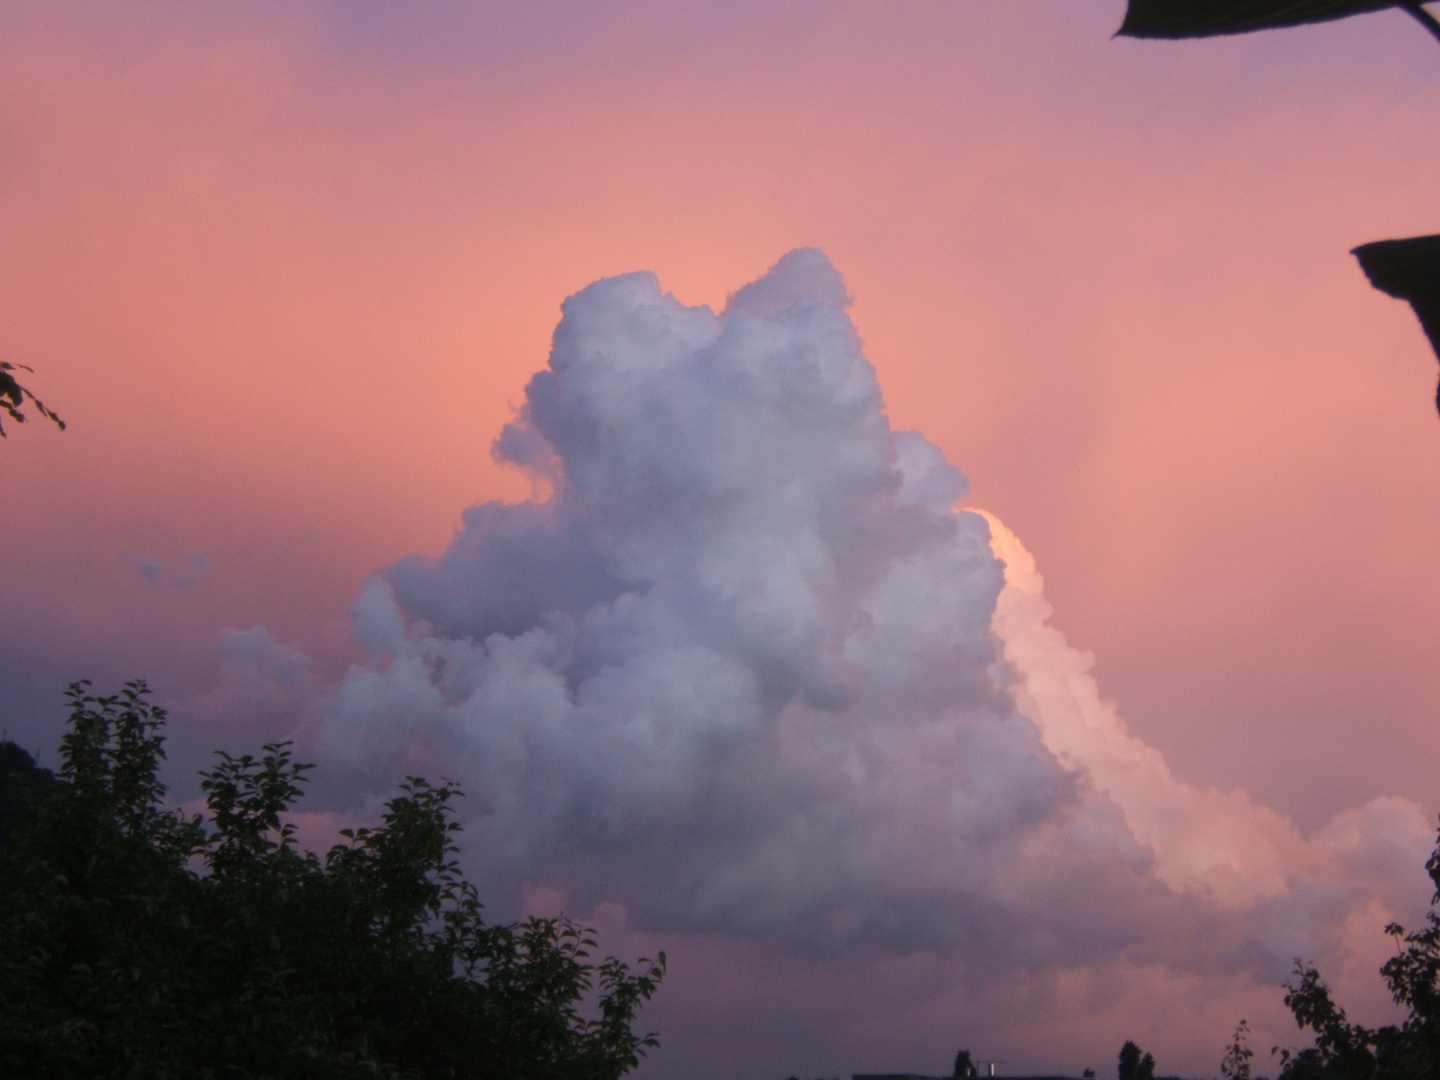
(13, 397)
(1408, 270)
(1207, 18)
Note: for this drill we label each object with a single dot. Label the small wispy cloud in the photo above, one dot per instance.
(192, 570)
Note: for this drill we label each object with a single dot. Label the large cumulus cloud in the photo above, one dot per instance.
(740, 664)
(748, 669)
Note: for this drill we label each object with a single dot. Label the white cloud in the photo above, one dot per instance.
(747, 670)
(1295, 894)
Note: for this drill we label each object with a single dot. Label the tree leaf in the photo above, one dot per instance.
(1408, 270)
(1206, 18)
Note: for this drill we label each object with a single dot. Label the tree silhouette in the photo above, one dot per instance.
(1235, 1065)
(1133, 1066)
(1344, 1049)
(20, 779)
(144, 942)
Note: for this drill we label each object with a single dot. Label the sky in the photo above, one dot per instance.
(959, 569)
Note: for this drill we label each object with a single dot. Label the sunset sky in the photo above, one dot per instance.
(286, 270)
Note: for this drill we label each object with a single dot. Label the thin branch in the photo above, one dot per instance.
(1426, 19)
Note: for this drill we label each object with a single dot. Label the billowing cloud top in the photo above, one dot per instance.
(747, 668)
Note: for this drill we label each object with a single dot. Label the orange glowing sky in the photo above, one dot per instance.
(285, 270)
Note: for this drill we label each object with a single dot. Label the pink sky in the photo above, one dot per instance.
(286, 271)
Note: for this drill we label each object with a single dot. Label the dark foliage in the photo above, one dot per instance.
(139, 942)
(1133, 1066)
(1408, 270)
(1346, 1051)
(964, 1066)
(1235, 1065)
(13, 397)
(20, 778)
(1205, 18)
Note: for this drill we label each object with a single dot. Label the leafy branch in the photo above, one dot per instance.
(13, 396)
(142, 942)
